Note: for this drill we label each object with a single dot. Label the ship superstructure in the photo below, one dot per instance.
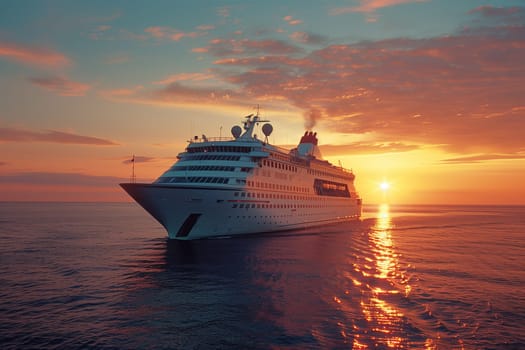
(223, 187)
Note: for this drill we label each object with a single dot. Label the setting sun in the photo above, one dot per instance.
(384, 186)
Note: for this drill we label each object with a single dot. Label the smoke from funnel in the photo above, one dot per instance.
(311, 117)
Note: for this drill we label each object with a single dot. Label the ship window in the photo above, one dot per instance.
(234, 206)
(243, 194)
(236, 194)
(253, 205)
(241, 205)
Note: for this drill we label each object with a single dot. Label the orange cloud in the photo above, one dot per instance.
(53, 136)
(367, 148)
(32, 55)
(199, 50)
(372, 5)
(184, 77)
(61, 86)
(484, 157)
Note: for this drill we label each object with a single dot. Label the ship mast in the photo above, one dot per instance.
(249, 124)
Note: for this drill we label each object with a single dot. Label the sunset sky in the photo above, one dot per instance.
(426, 95)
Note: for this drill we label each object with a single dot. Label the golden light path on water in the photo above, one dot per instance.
(388, 285)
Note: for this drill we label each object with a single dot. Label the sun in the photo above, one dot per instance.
(384, 186)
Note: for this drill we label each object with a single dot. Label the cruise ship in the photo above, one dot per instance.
(244, 185)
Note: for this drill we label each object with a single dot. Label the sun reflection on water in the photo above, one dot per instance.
(386, 320)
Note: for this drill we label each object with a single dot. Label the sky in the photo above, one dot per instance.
(426, 95)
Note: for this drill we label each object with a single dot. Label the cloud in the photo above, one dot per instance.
(307, 38)
(462, 92)
(206, 27)
(489, 15)
(490, 11)
(291, 21)
(33, 55)
(52, 136)
(175, 34)
(61, 179)
(484, 157)
(124, 92)
(367, 148)
(100, 32)
(243, 47)
(61, 86)
(199, 49)
(3, 163)
(368, 6)
(184, 77)
(235, 47)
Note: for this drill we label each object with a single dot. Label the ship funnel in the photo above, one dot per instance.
(308, 145)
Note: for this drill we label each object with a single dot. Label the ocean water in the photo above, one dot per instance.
(104, 276)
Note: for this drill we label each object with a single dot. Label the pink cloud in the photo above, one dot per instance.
(499, 15)
(174, 34)
(52, 136)
(200, 50)
(33, 55)
(496, 11)
(61, 86)
(368, 6)
(291, 21)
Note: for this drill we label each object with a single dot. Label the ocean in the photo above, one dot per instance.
(104, 276)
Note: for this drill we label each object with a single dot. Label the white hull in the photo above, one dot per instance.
(191, 212)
